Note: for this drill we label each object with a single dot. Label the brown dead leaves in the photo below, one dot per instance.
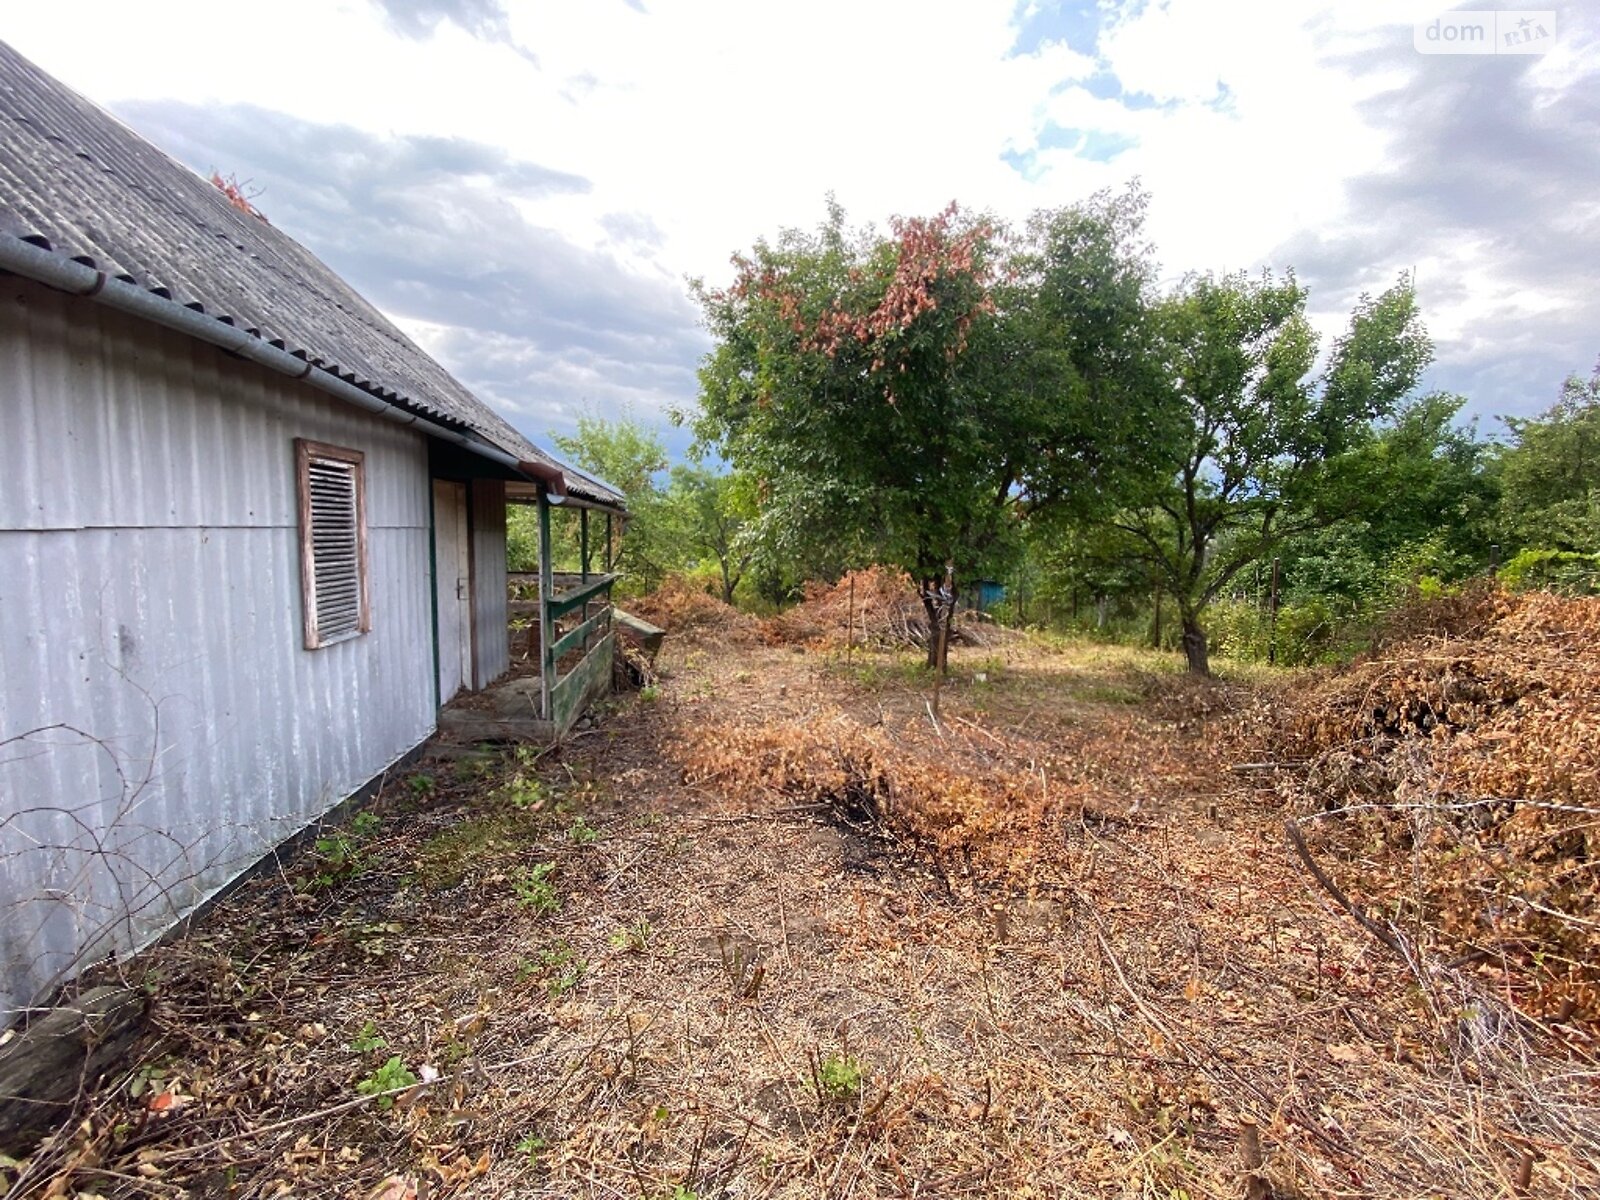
(1463, 761)
(993, 822)
(681, 607)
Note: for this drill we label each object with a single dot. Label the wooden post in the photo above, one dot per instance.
(547, 633)
(850, 623)
(583, 546)
(47, 1069)
(1155, 636)
(1272, 639)
(608, 541)
(1494, 558)
(949, 613)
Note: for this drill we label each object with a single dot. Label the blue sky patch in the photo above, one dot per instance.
(1096, 145)
(1075, 22)
(1104, 85)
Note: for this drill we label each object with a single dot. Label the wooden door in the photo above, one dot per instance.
(452, 583)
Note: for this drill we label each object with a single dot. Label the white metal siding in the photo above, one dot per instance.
(151, 628)
(490, 614)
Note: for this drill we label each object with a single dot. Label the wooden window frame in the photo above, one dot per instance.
(305, 453)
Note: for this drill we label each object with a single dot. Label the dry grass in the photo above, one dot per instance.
(1120, 984)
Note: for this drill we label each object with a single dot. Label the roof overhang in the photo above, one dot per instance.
(518, 492)
(30, 260)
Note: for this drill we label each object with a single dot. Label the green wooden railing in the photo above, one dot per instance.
(564, 697)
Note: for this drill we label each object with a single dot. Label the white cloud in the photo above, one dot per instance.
(720, 121)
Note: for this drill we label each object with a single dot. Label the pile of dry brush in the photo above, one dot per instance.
(878, 608)
(1457, 769)
(682, 607)
(951, 805)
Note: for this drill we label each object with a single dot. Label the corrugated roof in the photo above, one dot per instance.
(75, 179)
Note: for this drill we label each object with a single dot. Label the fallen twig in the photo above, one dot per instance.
(1291, 827)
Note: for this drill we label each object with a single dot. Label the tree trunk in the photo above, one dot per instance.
(939, 602)
(931, 607)
(1194, 645)
(45, 1071)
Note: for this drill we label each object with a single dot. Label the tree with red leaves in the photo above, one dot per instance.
(904, 396)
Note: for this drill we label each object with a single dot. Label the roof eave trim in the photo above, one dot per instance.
(24, 258)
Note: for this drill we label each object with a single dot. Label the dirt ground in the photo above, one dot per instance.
(701, 951)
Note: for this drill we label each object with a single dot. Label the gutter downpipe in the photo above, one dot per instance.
(68, 275)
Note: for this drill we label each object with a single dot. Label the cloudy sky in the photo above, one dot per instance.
(525, 185)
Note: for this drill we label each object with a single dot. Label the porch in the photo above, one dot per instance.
(559, 629)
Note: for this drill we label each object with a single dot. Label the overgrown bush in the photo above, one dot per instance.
(1564, 571)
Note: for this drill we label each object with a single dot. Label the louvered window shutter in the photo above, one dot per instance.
(333, 543)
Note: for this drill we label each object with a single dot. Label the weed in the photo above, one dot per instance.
(448, 857)
(470, 770)
(535, 890)
(990, 671)
(145, 1080)
(372, 939)
(634, 939)
(878, 674)
(390, 1077)
(368, 1040)
(564, 969)
(524, 793)
(1107, 693)
(421, 786)
(582, 833)
(533, 1145)
(340, 854)
(742, 967)
(838, 1079)
(650, 693)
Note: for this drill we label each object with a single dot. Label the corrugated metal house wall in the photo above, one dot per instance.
(490, 614)
(161, 723)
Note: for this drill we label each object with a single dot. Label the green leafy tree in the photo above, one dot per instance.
(713, 514)
(1438, 463)
(630, 456)
(842, 383)
(1265, 453)
(907, 397)
(1443, 529)
(1550, 473)
(1091, 415)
